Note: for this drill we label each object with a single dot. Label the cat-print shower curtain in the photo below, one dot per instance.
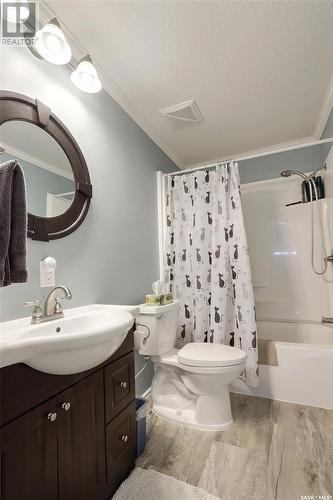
(207, 263)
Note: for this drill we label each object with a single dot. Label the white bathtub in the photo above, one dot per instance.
(305, 371)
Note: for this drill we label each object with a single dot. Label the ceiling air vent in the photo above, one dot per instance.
(185, 111)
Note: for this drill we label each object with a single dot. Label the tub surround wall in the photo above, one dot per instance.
(279, 240)
(113, 256)
(290, 299)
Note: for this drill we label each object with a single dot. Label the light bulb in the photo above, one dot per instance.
(51, 44)
(85, 76)
(86, 79)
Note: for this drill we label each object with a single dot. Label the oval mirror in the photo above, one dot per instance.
(48, 174)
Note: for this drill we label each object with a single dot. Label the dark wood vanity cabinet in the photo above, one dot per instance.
(78, 444)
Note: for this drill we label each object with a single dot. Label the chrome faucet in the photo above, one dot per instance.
(52, 306)
(327, 320)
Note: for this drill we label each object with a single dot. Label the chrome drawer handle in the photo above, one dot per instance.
(66, 406)
(124, 438)
(52, 416)
(123, 385)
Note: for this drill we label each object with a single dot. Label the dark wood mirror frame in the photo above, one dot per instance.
(14, 107)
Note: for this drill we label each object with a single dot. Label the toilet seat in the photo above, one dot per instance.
(209, 355)
(171, 358)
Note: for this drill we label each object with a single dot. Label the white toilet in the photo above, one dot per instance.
(191, 385)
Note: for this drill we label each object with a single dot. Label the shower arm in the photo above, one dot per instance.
(313, 175)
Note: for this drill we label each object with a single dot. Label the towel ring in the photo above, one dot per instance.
(18, 107)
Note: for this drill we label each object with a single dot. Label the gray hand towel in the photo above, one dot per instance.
(13, 224)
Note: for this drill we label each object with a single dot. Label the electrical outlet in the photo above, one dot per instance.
(47, 272)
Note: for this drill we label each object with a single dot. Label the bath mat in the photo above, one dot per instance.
(267, 353)
(149, 484)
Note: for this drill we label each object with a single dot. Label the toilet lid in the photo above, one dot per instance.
(202, 354)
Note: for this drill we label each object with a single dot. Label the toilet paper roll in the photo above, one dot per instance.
(141, 336)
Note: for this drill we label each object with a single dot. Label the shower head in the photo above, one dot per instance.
(288, 173)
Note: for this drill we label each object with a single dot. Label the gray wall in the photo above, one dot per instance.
(269, 167)
(328, 130)
(113, 257)
(39, 182)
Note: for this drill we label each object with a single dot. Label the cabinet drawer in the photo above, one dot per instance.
(120, 448)
(119, 385)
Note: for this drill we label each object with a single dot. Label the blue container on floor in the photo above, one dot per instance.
(142, 408)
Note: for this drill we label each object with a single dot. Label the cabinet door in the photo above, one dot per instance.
(81, 441)
(120, 448)
(29, 455)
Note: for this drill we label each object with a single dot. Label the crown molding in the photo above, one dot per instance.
(325, 110)
(261, 151)
(36, 162)
(78, 50)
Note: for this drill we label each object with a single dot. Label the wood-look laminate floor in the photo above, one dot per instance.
(275, 451)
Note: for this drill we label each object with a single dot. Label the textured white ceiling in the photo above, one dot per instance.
(259, 71)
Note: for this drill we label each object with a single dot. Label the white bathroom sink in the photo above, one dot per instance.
(85, 337)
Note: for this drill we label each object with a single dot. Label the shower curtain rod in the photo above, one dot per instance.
(250, 157)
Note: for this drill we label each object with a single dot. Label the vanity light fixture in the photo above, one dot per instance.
(85, 76)
(52, 45)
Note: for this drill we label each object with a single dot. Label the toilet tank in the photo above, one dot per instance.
(156, 329)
